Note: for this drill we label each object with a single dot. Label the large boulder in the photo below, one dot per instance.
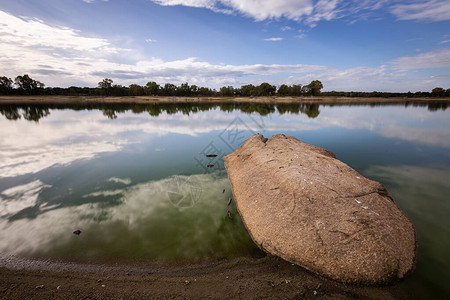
(300, 203)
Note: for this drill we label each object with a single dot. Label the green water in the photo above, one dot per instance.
(134, 179)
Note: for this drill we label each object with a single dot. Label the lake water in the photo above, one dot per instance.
(135, 179)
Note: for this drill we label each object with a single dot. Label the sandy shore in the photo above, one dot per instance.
(89, 100)
(247, 278)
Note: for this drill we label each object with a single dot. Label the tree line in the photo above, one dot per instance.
(25, 85)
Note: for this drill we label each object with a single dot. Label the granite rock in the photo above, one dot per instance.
(302, 204)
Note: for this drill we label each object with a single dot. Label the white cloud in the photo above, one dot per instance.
(104, 194)
(150, 41)
(26, 148)
(74, 59)
(274, 39)
(438, 137)
(20, 197)
(439, 58)
(396, 123)
(259, 10)
(61, 56)
(323, 10)
(125, 181)
(35, 33)
(352, 79)
(92, 1)
(311, 12)
(434, 10)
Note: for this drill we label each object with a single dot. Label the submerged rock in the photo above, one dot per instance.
(302, 204)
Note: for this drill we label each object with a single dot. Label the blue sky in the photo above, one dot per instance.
(363, 45)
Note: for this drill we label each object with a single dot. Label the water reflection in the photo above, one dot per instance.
(131, 182)
(140, 223)
(111, 111)
(29, 113)
(422, 193)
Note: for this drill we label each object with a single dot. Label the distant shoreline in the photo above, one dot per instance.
(89, 100)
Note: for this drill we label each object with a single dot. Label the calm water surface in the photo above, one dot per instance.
(135, 179)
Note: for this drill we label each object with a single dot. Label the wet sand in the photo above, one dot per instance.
(246, 278)
(89, 100)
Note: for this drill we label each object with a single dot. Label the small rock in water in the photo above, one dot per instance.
(229, 201)
(223, 191)
(229, 214)
(210, 166)
(77, 232)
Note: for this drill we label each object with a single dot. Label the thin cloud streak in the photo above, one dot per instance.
(434, 10)
(311, 12)
(274, 39)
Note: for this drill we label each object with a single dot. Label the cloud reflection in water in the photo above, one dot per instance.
(144, 225)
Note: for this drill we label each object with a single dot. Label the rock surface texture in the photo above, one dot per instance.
(302, 204)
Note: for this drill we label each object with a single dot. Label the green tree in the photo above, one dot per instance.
(118, 90)
(314, 87)
(204, 91)
(106, 85)
(136, 90)
(265, 89)
(438, 92)
(153, 88)
(5, 85)
(248, 90)
(28, 85)
(305, 90)
(169, 89)
(226, 91)
(194, 90)
(296, 90)
(283, 90)
(184, 90)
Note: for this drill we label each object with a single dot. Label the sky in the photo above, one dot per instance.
(354, 45)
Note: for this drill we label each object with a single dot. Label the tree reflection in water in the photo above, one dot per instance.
(30, 113)
(111, 111)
